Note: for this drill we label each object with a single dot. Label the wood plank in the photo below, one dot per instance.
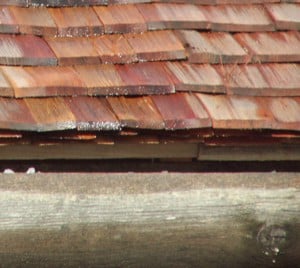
(76, 21)
(261, 79)
(6, 89)
(286, 16)
(139, 112)
(121, 18)
(92, 114)
(15, 115)
(50, 114)
(156, 46)
(236, 112)
(73, 51)
(36, 21)
(98, 151)
(262, 152)
(150, 219)
(8, 22)
(102, 79)
(212, 47)
(25, 50)
(286, 111)
(271, 47)
(284, 79)
(181, 111)
(64, 3)
(195, 77)
(238, 18)
(44, 81)
(114, 49)
(146, 78)
(160, 16)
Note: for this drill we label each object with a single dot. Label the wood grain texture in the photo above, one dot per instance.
(92, 114)
(76, 21)
(36, 21)
(121, 19)
(50, 114)
(160, 16)
(181, 111)
(212, 47)
(238, 18)
(195, 77)
(286, 16)
(114, 49)
(158, 219)
(237, 112)
(271, 47)
(156, 46)
(137, 112)
(44, 81)
(73, 51)
(8, 23)
(25, 50)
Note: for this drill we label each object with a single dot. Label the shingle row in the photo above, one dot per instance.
(213, 47)
(160, 112)
(150, 78)
(96, 20)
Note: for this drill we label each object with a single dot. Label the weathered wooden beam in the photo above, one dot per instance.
(98, 151)
(269, 152)
(179, 150)
(150, 220)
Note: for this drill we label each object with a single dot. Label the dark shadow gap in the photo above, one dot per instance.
(151, 165)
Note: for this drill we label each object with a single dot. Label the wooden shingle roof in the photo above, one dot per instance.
(144, 71)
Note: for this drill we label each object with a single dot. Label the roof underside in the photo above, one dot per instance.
(209, 73)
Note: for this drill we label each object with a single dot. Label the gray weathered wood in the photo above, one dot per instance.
(150, 220)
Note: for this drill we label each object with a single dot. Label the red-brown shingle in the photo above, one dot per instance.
(72, 51)
(37, 21)
(50, 114)
(238, 18)
(43, 81)
(173, 16)
(195, 77)
(114, 49)
(271, 47)
(235, 112)
(25, 50)
(121, 19)
(219, 48)
(286, 16)
(76, 21)
(8, 22)
(137, 112)
(146, 78)
(156, 46)
(181, 111)
(92, 114)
